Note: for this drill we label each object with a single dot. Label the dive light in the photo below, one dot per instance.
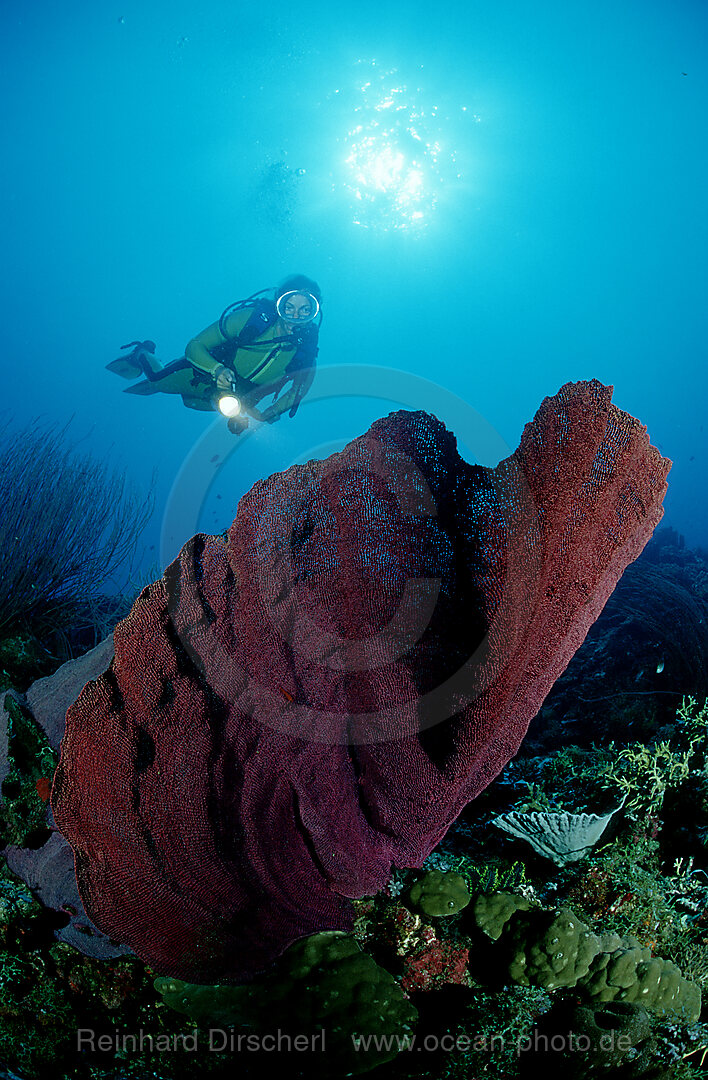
(229, 405)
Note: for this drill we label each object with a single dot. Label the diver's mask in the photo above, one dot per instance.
(297, 308)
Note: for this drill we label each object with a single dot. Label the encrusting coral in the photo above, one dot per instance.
(492, 911)
(440, 894)
(555, 948)
(295, 709)
(324, 981)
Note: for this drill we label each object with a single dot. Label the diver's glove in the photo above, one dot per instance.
(224, 379)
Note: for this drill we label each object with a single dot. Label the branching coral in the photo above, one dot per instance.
(644, 774)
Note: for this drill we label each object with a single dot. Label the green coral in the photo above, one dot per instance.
(626, 971)
(22, 660)
(570, 778)
(486, 1032)
(491, 877)
(492, 911)
(574, 777)
(439, 894)
(489, 874)
(322, 982)
(17, 906)
(646, 773)
(633, 897)
(548, 948)
(555, 948)
(585, 1040)
(35, 1017)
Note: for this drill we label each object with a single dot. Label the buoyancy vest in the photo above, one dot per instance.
(258, 355)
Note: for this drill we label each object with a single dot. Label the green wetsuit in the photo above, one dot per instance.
(259, 368)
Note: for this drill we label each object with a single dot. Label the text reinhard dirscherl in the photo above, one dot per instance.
(215, 1040)
(220, 1040)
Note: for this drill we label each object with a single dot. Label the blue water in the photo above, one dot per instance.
(563, 233)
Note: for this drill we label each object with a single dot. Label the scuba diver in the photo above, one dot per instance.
(256, 348)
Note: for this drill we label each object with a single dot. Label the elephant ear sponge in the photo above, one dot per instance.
(438, 894)
(296, 708)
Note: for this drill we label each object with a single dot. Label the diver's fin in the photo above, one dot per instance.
(135, 362)
(142, 388)
(125, 366)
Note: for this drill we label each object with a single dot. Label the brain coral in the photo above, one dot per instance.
(296, 707)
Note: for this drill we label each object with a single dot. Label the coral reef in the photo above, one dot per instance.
(623, 970)
(27, 764)
(492, 911)
(441, 979)
(440, 963)
(283, 719)
(472, 1020)
(547, 948)
(31, 728)
(585, 1041)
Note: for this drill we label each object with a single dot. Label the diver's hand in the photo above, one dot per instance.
(224, 380)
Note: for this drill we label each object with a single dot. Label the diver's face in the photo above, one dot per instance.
(297, 308)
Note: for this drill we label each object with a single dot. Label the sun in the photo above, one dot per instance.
(394, 163)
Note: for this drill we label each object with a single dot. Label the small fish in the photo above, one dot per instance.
(285, 694)
(660, 667)
(215, 458)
